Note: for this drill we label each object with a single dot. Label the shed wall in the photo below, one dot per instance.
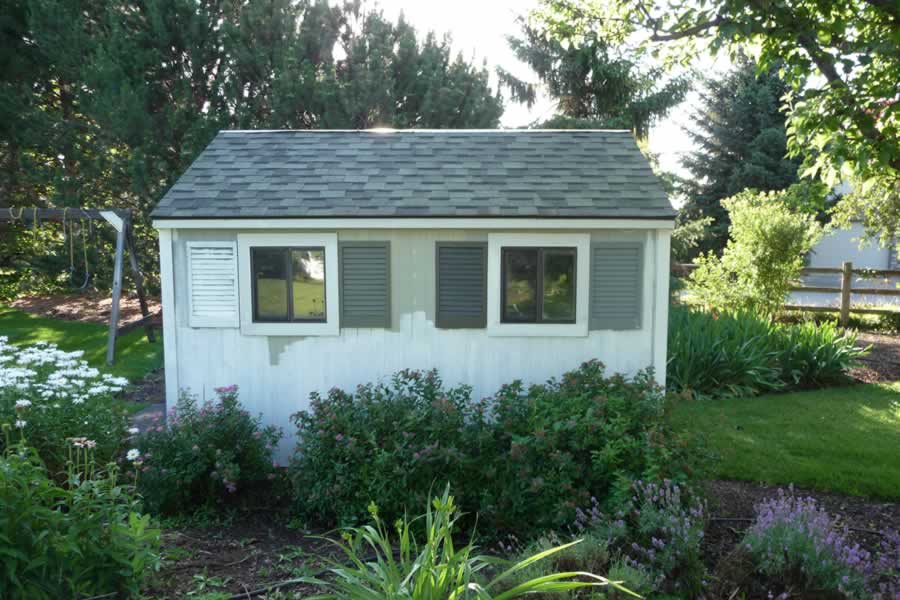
(277, 374)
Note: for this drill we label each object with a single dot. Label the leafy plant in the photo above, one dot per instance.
(769, 235)
(436, 568)
(797, 543)
(657, 532)
(54, 396)
(741, 354)
(522, 460)
(81, 538)
(204, 454)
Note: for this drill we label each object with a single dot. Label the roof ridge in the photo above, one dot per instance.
(385, 130)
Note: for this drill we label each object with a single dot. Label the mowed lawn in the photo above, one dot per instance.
(135, 356)
(843, 439)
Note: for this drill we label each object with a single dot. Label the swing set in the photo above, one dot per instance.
(120, 220)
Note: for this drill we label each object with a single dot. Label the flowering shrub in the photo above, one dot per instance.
(794, 542)
(53, 395)
(522, 461)
(82, 538)
(657, 533)
(391, 441)
(204, 453)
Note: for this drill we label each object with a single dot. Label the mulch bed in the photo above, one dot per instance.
(883, 362)
(91, 307)
(255, 552)
(259, 550)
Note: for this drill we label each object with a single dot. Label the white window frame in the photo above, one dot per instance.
(581, 242)
(246, 241)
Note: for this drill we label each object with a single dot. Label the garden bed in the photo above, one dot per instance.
(257, 550)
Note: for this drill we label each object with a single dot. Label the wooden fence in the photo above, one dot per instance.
(845, 290)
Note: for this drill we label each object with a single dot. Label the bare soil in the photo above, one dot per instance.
(251, 557)
(91, 307)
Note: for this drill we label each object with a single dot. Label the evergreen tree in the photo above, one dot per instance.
(593, 84)
(107, 102)
(740, 134)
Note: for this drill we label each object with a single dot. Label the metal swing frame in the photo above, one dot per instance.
(120, 220)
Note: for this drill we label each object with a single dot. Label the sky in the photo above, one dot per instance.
(479, 29)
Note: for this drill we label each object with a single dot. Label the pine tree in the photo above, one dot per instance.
(593, 84)
(739, 131)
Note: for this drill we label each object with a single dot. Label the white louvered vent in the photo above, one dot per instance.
(212, 277)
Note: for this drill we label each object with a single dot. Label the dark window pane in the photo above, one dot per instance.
(559, 286)
(520, 284)
(308, 266)
(270, 283)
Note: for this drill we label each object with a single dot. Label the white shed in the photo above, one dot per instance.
(296, 261)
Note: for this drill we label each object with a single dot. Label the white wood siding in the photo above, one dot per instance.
(277, 374)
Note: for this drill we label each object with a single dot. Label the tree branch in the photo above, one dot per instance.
(699, 28)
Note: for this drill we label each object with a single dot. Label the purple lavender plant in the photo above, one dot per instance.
(792, 534)
(658, 532)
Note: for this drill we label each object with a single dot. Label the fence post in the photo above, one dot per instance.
(846, 283)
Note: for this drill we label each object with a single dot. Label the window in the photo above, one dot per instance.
(538, 285)
(288, 284)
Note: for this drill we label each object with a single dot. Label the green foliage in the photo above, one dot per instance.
(688, 236)
(52, 396)
(80, 539)
(205, 454)
(435, 568)
(594, 84)
(739, 129)
(522, 461)
(135, 356)
(768, 240)
(740, 354)
(839, 60)
(105, 105)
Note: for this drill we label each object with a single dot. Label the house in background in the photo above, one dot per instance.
(840, 245)
(296, 261)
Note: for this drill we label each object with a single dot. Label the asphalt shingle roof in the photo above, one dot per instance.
(418, 173)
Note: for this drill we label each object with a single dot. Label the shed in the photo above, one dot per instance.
(296, 261)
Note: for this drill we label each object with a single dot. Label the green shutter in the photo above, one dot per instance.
(617, 285)
(461, 290)
(365, 275)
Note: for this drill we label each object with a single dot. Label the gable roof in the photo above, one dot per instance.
(418, 173)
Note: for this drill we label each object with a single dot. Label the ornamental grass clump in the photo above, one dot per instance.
(82, 537)
(52, 395)
(795, 543)
(205, 454)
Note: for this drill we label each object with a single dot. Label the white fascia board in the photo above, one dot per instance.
(415, 223)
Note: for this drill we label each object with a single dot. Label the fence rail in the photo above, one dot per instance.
(846, 290)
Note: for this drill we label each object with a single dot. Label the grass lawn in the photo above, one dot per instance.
(843, 439)
(135, 356)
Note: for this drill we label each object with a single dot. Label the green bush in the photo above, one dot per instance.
(84, 538)
(741, 354)
(204, 454)
(53, 396)
(436, 568)
(769, 235)
(522, 461)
